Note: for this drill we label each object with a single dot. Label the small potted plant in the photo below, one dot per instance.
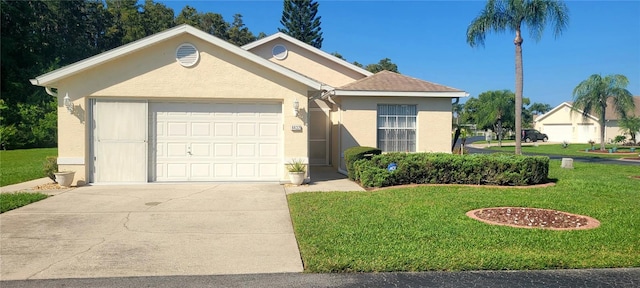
(297, 170)
(63, 178)
(592, 143)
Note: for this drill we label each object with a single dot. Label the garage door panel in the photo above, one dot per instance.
(223, 170)
(268, 149)
(176, 170)
(201, 149)
(176, 149)
(201, 129)
(177, 129)
(218, 142)
(246, 129)
(268, 169)
(246, 170)
(268, 129)
(246, 150)
(223, 129)
(223, 150)
(201, 170)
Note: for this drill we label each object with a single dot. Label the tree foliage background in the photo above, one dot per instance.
(300, 21)
(40, 36)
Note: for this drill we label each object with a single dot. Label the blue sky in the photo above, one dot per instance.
(426, 39)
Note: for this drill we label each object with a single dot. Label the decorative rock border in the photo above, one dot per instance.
(590, 221)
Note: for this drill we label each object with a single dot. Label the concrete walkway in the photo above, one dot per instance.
(325, 179)
(150, 230)
(29, 185)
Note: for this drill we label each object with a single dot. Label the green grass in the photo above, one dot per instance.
(17, 166)
(577, 150)
(10, 201)
(425, 228)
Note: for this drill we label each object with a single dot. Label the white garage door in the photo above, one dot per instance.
(216, 141)
(586, 133)
(558, 133)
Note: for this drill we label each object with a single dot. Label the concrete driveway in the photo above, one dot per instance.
(149, 230)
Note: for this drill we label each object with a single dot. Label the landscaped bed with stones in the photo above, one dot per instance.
(533, 218)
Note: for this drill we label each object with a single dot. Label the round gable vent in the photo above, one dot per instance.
(187, 55)
(279, 52)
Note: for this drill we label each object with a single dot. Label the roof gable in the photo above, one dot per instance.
(385, 81)
(314, 50)
(50, 79)
(563, 104)
(610, 113)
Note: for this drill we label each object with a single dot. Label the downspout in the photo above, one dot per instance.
(51, 92)
(326, 95)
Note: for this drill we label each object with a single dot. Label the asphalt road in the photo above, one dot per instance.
(553, 157)
(624, 277)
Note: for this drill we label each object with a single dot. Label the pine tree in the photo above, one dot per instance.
(300, 21)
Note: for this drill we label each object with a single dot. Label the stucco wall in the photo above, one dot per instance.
(358, 116)
(154, 74)
(308, 63)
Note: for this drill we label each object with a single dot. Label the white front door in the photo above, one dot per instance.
(216, 141)
(119, 147)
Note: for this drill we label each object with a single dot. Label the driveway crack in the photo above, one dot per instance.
(102, 240)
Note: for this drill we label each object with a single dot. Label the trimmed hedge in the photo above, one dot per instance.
(356, 153)
(439, 168)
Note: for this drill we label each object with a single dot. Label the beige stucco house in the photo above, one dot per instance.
(183, 105)
(565, 123)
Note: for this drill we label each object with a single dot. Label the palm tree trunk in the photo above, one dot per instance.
(519, 88)
(602, 126)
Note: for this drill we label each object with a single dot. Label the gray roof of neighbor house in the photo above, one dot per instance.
(391, 81)
(612, 114)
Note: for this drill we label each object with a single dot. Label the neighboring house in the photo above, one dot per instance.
(565, 123)
(183, 105)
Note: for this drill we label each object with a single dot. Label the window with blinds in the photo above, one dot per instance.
(397, 127)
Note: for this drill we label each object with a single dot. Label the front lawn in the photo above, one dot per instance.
(577, 150)
(10, 201)
(23, 165)
(425, 228)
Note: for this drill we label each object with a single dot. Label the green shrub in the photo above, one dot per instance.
(437, 168)
(356, 153)
(50, 166)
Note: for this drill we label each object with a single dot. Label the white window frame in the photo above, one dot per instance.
(397, 127)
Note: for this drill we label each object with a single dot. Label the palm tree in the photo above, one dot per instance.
(591, 96)
(631, 125)
(511, 15)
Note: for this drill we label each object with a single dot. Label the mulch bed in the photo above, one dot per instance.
(48, 186)
(521, 217)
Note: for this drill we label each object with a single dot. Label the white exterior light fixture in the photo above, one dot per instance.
(68, 104)
(296, 106)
